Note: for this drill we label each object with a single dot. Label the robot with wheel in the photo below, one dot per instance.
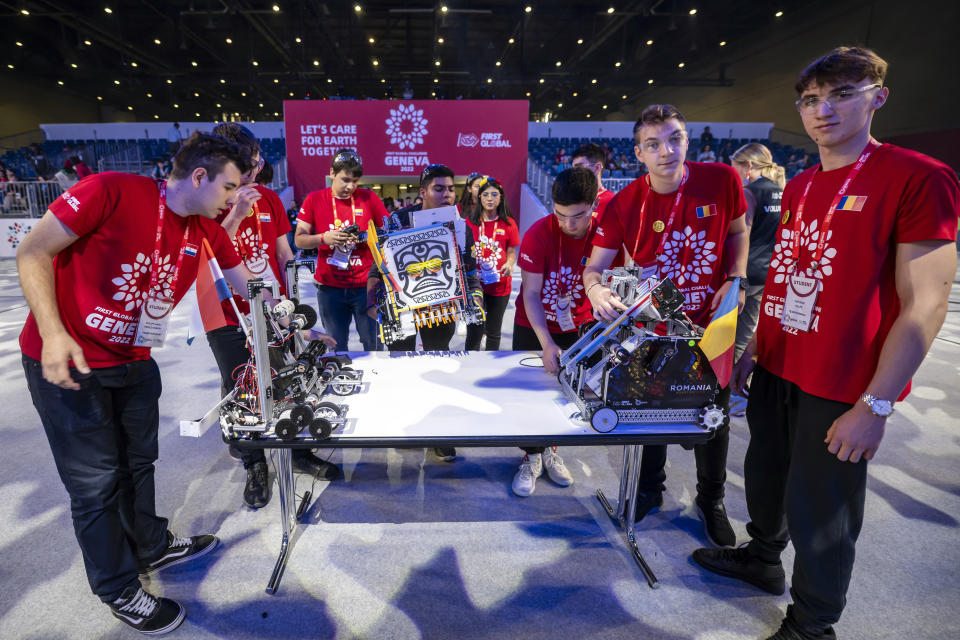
(644, 367)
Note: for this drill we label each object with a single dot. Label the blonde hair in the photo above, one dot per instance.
(759, 157)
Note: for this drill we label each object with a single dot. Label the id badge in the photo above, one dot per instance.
(488, 274)
(799, 303)
(563, 307)
(152, 326)
(340, 258)
(257, 265)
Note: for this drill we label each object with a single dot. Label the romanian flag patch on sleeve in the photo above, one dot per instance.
(707, 211)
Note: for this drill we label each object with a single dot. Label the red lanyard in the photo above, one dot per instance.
(872, 146)
(243, 248)
(336, 218)
(483, 227)
(673, 213)
(560, 282)
(155, 266)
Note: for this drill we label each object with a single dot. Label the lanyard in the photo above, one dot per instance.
(155, 263)
(333, 203)
(872, 146)
(483, 228)
(564, 290)
(673, 214)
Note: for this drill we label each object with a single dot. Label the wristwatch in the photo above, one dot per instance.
(743, 281)
(878, 406)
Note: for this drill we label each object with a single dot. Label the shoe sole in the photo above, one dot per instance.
(199, 554)
(559, 483)
(777, 591)
(706, 531)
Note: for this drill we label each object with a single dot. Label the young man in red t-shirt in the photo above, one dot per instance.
(495, 250)
(856, 292)
(593, 157)
(257, 224)
(683, 221)
(551, 304)
(101, 271)
(342, 262)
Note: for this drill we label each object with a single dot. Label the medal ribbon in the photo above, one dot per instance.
(872, 146)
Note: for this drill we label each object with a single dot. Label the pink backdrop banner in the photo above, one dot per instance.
(401, 137)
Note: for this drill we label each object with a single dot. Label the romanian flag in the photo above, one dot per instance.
(721, 334)
(212, 289)
(707, 211)
(851, 203)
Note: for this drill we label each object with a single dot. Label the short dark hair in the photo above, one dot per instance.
(347, 160)
(239, 134)
(209, 152)
(432, 172)
(656, 114)
(843, 64)
(591, 151)
(575, 185)
(265, 176)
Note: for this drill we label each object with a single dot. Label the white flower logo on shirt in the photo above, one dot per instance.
(560, 284)
(249, 240)
(783, 259)
(129, 282)
(699, 253)
(487, 250)
(406, 126)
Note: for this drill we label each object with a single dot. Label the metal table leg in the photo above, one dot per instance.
(288, 513)
(624, 512)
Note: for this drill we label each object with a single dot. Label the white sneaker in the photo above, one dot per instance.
(556, 470)
(525, 481)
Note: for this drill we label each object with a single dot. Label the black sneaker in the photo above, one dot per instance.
(180, 550)
(740, 564)
(447, 454)
(716, 523)
(256, 493)
(647, 502)
(790, 630)
(313, 466)
(147, 613)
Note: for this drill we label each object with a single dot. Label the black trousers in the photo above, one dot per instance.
(495, 307)
(711, 459)
(435, 338)
(798, 491)
(525, 339)
(229, 347)
(104, 442)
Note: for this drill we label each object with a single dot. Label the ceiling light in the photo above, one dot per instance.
(176, 106)
(218, 105)
(436, 80)
(156, 41)
(440, 40)
(60, 82)
(156, 117)
(376, 62)
(297, 40)
(371, 40)
(255, 63)
(275, 113)
(559, 105)
(276, 7)
(444, 9)
(243, 93)
(604, 106)
(88, 43)
(384, 80)
(276, 81)
(19, 44)
(528, 9)
(528, 94)
(222, 81)
(575, 94)
(559, 64)
(541, 80)
(316, 63)
(261, 104)
(693, 12)
(24, 12)
(129, 108)
(73, 64)
(357, 8)
(623, 97)
(617, 64)
(169, 81)
(196, 95)
(611, 10)
(649, 42)
(193, 63)
(436, 63)
(133, 64)
(498, 63)
(489, 80)
(99, 97)
(229, 40)
(116, 82)
(778, 14)
(681, 65)
(433, 93)
(330, 80)
(149, 95)
(511, 41)
(108, 9)
(291, 94)
(723, 43)
(594, 81)
(588, 115)
(197, 114)
(650, 81)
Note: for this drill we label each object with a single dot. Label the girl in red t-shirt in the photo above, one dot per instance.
(495, 248)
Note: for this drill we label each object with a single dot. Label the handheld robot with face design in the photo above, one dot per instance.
(424, 282)
(644, 367)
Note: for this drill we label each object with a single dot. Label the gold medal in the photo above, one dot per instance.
(658, 226)
(785, 217)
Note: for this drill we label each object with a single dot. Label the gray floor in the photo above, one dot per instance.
(411, 547)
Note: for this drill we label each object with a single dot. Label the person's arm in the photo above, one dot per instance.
(35, 268)
(374, 282)
(751, 209)
(606, 304)
(284, 252)
(736, 249)
(246, 196)
(532, 284)
(506, 271)
(924, 275)
(304, 239)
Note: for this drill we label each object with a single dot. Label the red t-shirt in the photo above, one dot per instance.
(603, 199)
(491, 240)
(547, 250)
(101, 279)
(907, 197)
(317, 211)
(693, 253)
(259, 253)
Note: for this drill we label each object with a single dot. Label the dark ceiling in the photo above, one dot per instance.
(219, 57)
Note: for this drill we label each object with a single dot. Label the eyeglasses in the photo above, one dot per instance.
(810, 104)
(676, 139)
(490, 195)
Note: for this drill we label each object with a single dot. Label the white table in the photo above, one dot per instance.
(475, 399)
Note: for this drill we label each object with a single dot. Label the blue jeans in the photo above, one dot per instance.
(338, 306)
(104, 443)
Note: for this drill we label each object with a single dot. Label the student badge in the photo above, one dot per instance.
(785, 217)
(658, 226)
